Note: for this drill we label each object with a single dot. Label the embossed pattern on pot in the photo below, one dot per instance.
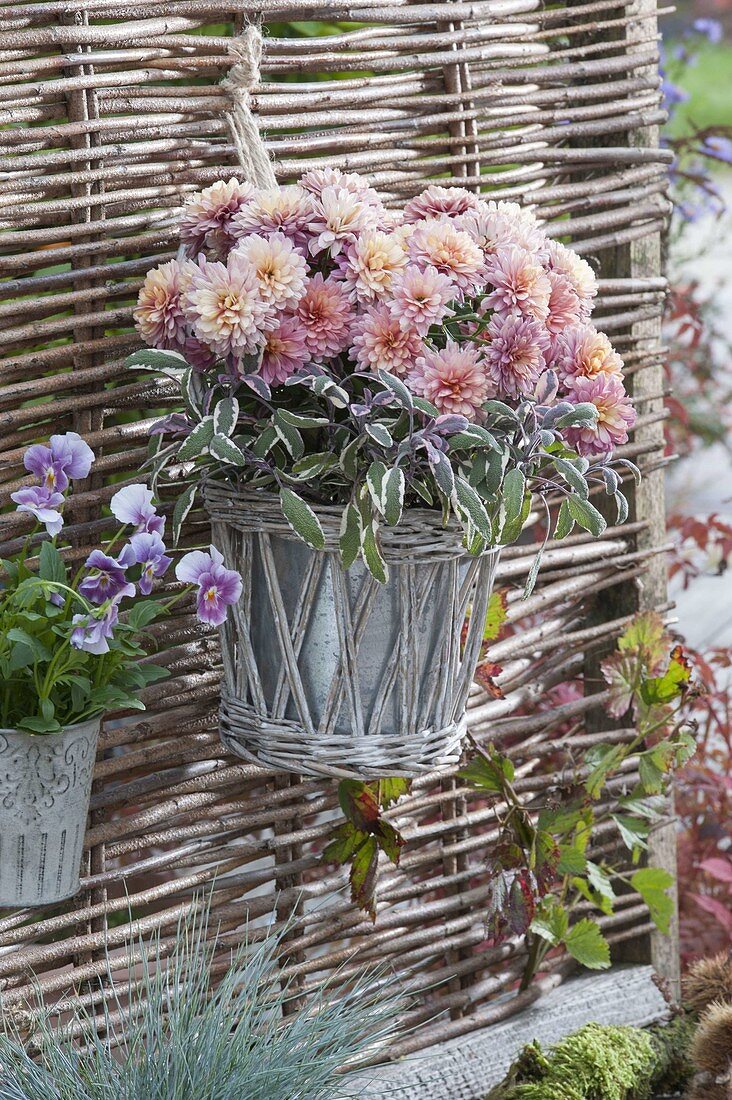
(45, 784)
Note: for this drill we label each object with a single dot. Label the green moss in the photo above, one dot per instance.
(602, 1063)
(596, 1063)
(673, 1043)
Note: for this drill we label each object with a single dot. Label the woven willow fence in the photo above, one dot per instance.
(111, 113)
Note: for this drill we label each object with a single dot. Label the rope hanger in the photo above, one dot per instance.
(242, 77)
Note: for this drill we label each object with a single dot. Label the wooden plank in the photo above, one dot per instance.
(465, 1068)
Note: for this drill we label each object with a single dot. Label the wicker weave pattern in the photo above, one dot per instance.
(111, 113)
(336, 674)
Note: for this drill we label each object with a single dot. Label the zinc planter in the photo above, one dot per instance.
(328, 672)
(45, 786)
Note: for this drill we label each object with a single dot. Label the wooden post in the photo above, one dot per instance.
(648, 501)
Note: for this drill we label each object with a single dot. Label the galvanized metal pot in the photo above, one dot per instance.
(45, 786)
(330, 672)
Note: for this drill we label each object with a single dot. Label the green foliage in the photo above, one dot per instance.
(542, 865)
(47, 683)
(180, 1038)
(366, 443)
(365, 833)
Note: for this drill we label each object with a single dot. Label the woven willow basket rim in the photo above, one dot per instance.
(420, 530)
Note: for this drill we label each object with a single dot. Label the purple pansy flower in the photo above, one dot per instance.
(134, 505)
(148, 550)
(66, 456)
(43, 503)
(106, 580)
(218, 587)
(711, 29)
(91, 632)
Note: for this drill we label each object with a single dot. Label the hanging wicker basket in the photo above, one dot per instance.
(328, 672)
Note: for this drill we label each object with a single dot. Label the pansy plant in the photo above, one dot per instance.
(72, 645)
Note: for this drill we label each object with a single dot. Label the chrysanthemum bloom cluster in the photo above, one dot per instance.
(105, 580)
(464, 299)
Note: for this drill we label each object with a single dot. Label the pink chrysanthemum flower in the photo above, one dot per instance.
(326, 314)
(435, 201)
(285, 351)
(371, 262)
(440, 244)
(340, 216)
(160, 311)
(207, 217)
(566, 262)
(616, 415)
(286, 210)
(494, 225)
(520, 283)
(514, 359)
(381, 343)
(564, 305)
(281, 269)
(453, 379)
(487, 227)
(226, 306)
(582, 351)
(317, 179)
(420, 298)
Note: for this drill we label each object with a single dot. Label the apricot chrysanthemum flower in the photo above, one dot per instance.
(381, 343)
(564, 304)
(160, 311)
(616, 415)
(326, 315)
(438, 243)
(207, 217)
(520, 283)
(226, 306)
(281, 269)
(286, 210)
(582, 351)
(515, 356)
(285, 350)
(371, 263)
(420, 298)
(453, 379)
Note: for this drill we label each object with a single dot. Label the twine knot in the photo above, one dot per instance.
(242, 77)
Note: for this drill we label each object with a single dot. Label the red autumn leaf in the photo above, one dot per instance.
(363, 876)
(721, 912)
(485, 673)
(496, 615)
(721, 869)
(359, 803)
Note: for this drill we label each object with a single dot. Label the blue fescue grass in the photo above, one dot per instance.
(169, 1034)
